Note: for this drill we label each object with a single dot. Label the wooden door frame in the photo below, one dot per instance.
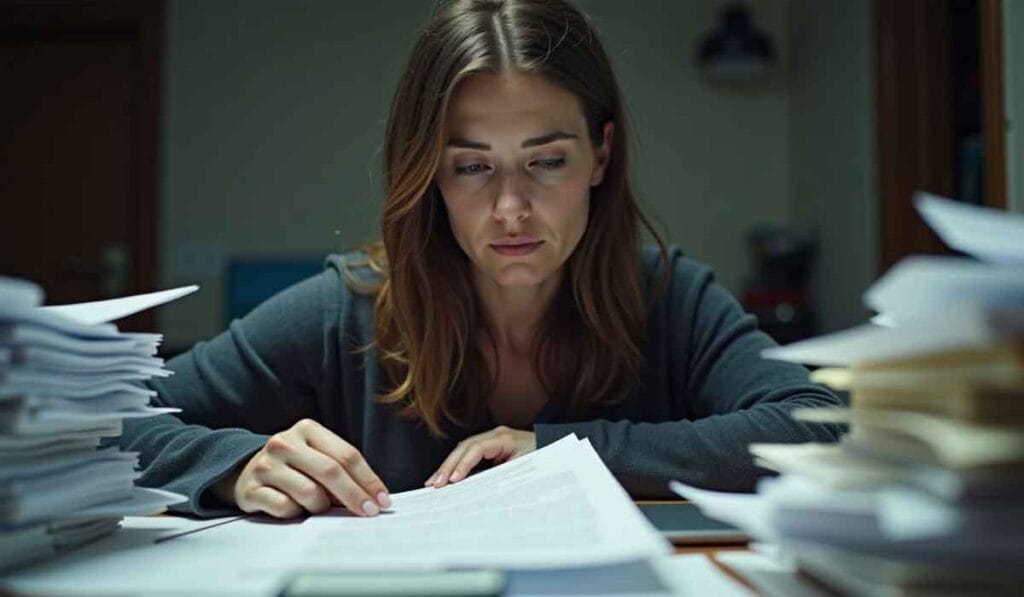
(143, 21)
(993, 102)
(914, 117)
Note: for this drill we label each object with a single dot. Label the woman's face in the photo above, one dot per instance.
(516, 175)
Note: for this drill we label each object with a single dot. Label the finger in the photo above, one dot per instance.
(269, 500)
(299, 487)
(489, 449)
(440, 478)
(441, 475)
(356, 470)
(332, 476)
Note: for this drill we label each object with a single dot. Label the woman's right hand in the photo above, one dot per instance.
(305, 468)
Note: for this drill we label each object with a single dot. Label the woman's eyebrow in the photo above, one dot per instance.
(532, 142)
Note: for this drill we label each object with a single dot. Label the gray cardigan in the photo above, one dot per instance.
(703, 396)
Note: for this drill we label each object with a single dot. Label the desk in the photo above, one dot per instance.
(138, 564)
(710, 551)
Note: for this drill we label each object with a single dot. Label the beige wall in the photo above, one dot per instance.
(275, 112)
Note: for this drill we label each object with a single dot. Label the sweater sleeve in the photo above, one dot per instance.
(256, 378)
(728, 398)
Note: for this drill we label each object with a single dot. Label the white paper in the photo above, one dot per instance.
(35, 356)
(695, 574)
(965, 327)
(72, 389)
(28, 422)
(109, 310)
(746, 511)
(14, 291)
(49, 464)
(144, 501)
(104, 403)
(15, 315)
(989, 234)
(926, 287)
(554, 507)
(942, 441)
(12, 335)
(771, 577)
(24, 448)
(30, 443)
(48, 497)
(255, 555)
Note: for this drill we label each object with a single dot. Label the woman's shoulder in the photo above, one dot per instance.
(357, 271)
(353, 281)
(682, 271)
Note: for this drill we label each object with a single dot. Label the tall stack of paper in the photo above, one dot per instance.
(926, 492)
(67, 380)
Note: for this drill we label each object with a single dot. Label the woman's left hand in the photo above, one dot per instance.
(499, 444)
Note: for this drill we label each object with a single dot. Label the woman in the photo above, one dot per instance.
(507, 305)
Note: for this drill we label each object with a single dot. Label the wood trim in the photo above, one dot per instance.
(914, 131)
(993, 117)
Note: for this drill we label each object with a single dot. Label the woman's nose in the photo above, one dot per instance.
(512, 204)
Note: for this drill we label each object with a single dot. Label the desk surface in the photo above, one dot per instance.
(711, 551)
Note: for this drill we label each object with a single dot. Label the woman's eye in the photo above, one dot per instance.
(470, 169)
(550, 164)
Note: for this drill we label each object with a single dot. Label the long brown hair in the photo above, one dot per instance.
(588, 347)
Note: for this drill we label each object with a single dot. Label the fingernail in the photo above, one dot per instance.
(383, 499)
(455, 476)
(370, 508)
(429, 481)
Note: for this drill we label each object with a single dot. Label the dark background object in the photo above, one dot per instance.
(80, 122)
(735, 50)
(778, 291)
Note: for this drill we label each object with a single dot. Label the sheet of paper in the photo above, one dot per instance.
(73, 389)
(923, 287)
(14, 291)
(16, 315)
(697, 575)
(771, 577)
(131, 562)
(50, 359)
(964, 327)
(748, 511)
(554, 507)
(25, 422)
(990, 234)
(558, 506)
(950, 443)
(20, 335)
(144, 501)
(113, 309)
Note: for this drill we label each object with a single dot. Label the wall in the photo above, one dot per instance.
(275, 112)
(833, 150)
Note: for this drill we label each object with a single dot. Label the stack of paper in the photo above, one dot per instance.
(67, 380)
(555, 519)
(926, 492)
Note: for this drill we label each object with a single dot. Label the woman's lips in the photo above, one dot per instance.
(516, 250)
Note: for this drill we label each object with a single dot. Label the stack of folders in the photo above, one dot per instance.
(925, 494)
(67, 380)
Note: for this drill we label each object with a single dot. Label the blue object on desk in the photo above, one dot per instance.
(252, 281)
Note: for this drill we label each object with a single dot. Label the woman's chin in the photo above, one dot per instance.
(519, 274)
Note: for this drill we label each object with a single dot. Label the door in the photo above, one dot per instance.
(939, 113)
(78, 149)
